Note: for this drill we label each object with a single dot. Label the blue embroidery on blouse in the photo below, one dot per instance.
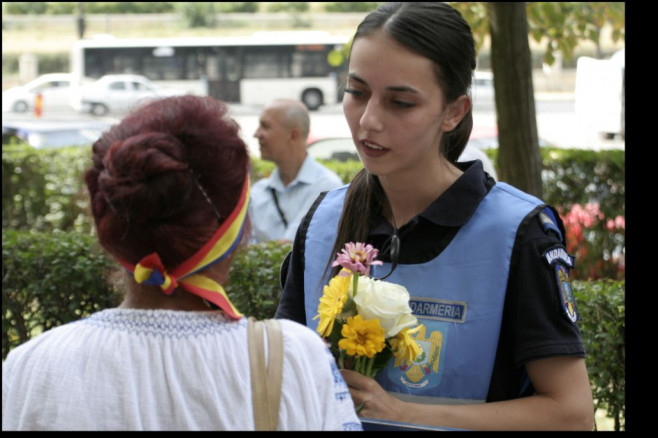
(341, 392)
(352, 426)
(163, 323)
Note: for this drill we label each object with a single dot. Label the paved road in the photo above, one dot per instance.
(557, 122)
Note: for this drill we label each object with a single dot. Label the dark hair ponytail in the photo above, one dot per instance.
(364, 201)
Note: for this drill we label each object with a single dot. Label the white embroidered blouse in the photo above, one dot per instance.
(127, 369)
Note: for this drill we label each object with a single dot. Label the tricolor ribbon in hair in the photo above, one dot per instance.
(150, 270)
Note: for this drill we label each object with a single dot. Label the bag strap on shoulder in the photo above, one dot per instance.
(265, 379)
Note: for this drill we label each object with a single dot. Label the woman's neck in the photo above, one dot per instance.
(409, 195)
(152, 297)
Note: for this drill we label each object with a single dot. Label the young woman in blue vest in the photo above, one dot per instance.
(484, 263)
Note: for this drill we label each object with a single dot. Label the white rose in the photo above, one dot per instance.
(387, 302)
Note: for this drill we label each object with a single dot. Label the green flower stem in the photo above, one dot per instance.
(356, 364)
(369, 372)
(355, 283)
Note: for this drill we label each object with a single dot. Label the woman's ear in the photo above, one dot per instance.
(455, 112)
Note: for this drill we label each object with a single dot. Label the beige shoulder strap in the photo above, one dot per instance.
(265, 380)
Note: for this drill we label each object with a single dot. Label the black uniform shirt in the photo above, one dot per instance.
(534, 325)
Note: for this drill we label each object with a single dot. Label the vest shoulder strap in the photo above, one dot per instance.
(549, 222)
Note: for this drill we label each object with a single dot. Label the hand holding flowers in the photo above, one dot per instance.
(366, 321)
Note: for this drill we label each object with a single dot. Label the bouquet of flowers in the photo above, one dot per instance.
(366, 321)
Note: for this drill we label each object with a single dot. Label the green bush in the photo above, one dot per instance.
(9, 64)
(260, 169)
(43, 189)
(48, 63)
(198, 14)
(254, 281)
(346, 170)
(581, 176)
(588, 189)
(20, 8)
(244, 7)
(287, 7)
(49, 279)
(602, 321)
(351, 6)
(57, 8)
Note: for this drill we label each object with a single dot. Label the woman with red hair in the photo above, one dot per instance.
(169, 192)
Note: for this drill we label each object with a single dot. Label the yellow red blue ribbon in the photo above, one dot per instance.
(151, 271)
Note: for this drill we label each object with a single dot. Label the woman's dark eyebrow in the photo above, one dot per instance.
(356, 78)
(399, 88)
(403, 88)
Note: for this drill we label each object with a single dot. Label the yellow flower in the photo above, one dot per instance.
(331, 304)
(406, 349)
(361, 337)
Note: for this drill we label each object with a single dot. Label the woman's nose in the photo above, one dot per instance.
(371, 119)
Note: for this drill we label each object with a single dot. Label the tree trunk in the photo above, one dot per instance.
(519, 158)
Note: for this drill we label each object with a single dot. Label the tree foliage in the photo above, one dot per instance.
(558, 26)
(562, 25)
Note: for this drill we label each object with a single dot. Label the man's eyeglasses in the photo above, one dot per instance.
(394, 253)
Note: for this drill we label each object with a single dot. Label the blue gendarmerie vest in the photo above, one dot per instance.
(458, 296)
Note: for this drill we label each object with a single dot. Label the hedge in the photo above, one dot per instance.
(254, 283)
(602, 320)
(51, 279)
(570, 176)
(43, 190)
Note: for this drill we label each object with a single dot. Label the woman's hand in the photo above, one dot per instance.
(371, 400)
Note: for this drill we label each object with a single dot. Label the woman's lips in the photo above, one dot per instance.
(372, 149)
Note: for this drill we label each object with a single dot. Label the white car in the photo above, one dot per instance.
(343, 149)
(54, 88)
(117, 93)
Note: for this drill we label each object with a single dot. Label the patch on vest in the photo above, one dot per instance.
(558, 254)
(424, 371)
(566, 292)
(561, 261)
(440, 310)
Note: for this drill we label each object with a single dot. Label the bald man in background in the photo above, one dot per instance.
(279, 203)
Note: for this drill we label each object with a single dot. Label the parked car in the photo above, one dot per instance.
(54, 88)
(343, 149)
(42, 134)
(117, 93)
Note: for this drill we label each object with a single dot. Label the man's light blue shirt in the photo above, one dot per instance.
(295, 200)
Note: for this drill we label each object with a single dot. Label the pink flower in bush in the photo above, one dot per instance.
(594, 240)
